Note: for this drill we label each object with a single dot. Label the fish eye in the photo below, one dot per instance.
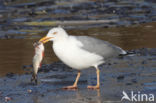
(55, 33)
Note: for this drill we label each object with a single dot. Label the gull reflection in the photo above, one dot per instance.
(89, 96)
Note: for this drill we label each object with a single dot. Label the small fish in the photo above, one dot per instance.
(39, 54)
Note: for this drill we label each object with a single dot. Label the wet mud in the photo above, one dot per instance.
(130, 73)
(129, 24)
(20, 19)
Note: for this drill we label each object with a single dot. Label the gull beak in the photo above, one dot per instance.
(45, 39)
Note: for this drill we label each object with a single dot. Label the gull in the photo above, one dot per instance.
(81, 52)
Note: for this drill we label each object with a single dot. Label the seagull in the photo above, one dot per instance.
(81, 52)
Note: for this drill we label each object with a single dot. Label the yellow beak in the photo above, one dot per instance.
(45, 39)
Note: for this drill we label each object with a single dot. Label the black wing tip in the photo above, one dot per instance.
(128, 53)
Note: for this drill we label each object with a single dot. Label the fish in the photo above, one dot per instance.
(37, 59)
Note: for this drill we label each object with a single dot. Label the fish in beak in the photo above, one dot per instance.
(44, 39)
(39, 54)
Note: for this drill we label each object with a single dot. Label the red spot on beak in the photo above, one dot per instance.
(43, 54)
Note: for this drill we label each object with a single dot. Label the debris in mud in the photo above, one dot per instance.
(9, 75)
(121, 77)
(134, 80)
(29, 90)
(128, 83)
(8, 99)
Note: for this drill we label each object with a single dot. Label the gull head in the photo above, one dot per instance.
(54, 34)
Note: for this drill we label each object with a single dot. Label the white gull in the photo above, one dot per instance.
(81, 52)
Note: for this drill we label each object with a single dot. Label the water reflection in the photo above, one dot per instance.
(92, 96)
(36, 99)
(15, 53)
(67, 96)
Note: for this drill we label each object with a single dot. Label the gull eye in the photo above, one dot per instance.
(55, 33)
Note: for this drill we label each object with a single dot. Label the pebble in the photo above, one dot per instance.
(29, 90)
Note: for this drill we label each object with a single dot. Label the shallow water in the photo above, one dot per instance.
(16, 53)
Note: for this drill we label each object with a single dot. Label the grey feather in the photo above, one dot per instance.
(100, 47)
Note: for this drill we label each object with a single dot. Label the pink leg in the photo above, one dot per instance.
(98, 80)
(74, 86)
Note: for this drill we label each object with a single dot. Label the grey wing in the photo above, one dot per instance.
(100, 47)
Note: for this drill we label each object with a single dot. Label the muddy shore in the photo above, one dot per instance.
(131, 73)
(129, 24)
(20, 19)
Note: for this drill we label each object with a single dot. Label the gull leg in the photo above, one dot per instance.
(34, 78)
(74, 86)
(98, 80)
